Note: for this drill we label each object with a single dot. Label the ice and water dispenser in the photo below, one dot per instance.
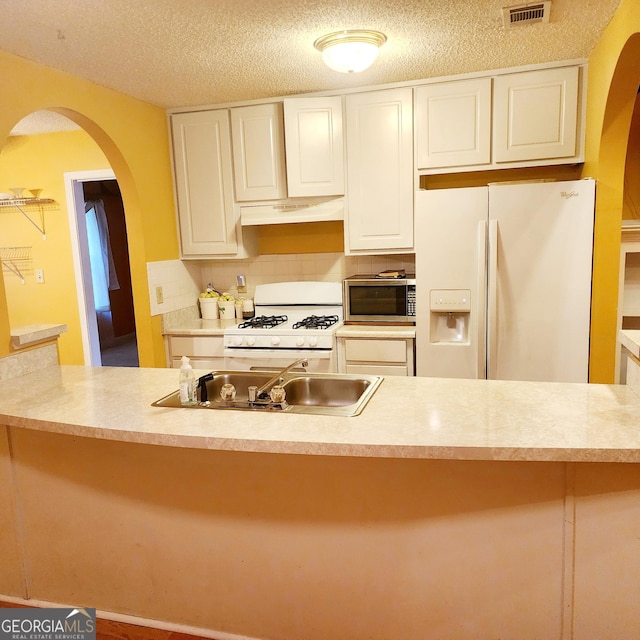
(450, 311)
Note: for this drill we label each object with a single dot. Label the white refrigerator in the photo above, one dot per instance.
(503, 281)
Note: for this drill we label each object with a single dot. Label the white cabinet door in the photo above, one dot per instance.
(204, 184)
(258, 152)
(204, 352)
(453, 123)
(535, 115)
(314, 146)
(379, 172)
(376, 356)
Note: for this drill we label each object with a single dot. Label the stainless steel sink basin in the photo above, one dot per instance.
(325, 392)
(313, 393)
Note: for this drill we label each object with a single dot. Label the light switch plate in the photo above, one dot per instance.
(39, 276)
(159, 295)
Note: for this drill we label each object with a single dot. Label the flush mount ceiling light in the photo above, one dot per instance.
(350, 51)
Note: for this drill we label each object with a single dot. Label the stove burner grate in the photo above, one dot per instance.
(263, 322)
(316, 322)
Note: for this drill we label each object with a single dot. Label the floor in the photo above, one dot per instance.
(110, 630)
(122, 352)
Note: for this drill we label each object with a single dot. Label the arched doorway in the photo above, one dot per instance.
(41, 155)
(610, 167)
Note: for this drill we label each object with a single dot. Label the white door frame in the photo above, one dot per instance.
(82, 268)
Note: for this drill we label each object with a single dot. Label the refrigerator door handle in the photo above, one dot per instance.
(482, 301)
(492, 301)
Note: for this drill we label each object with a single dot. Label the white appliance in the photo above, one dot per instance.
(503, 279)
(292, 320)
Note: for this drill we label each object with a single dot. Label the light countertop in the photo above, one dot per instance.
(35, 333)
(199, 327)
(630, 339)
(406, 418)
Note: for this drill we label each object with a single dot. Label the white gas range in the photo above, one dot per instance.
(292, 320)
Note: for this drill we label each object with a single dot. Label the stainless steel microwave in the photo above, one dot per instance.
(367, 298)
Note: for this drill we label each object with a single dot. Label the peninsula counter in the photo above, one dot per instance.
(407, 417)
(447, 509)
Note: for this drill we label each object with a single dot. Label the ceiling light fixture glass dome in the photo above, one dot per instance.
(350, 51)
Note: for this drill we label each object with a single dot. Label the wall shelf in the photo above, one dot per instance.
(16, 260)
(28, 206)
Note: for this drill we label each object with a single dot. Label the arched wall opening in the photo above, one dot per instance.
(134, 137)
(609, 167)
(61, 295)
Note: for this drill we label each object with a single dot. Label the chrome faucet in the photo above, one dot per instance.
(270, 383)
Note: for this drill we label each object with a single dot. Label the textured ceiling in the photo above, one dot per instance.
(176, 53)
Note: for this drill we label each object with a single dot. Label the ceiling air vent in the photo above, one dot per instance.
(529, 13)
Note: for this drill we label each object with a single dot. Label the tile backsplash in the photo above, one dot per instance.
(181, 281)
(177, 282)
(291, 267)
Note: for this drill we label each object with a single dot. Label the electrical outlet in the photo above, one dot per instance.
(159, 295)
(39, 276)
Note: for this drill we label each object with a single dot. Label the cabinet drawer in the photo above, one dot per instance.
(200, 363)
(375, 350)
(196, 346)
(377, 369)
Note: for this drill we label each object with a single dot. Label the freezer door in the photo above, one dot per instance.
(450, 235)
(541, 244)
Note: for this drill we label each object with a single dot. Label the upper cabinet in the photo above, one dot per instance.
(238, 167)
(505, 120)
(258, 152)
(311, 163)
(453, 123)
(535, 115)
(379, 172)
(314, 146)
(208, 224)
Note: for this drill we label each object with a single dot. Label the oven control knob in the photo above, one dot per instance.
(251, 341)
(275, 341)
(313, 342)
(237, 341)
(299, 341)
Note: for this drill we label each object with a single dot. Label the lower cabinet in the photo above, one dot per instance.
(376, 356)
(205, 352)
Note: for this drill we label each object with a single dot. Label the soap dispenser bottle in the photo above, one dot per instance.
(188, 397)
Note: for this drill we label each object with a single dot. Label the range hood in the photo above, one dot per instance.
(285, 212)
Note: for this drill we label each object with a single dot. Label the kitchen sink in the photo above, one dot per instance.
(325, 392)
(330, 394)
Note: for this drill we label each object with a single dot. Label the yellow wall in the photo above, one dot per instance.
(310, 237)
(631, 210)
(40, 161)
(614, 76)
(134, 138)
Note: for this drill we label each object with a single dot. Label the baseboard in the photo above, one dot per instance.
(135, 620)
